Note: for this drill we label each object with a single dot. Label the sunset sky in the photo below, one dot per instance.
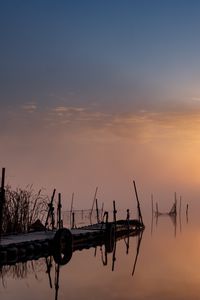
(96, 93)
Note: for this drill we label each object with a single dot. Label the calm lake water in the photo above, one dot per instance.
(168, 267)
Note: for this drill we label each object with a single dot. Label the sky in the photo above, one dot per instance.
(98, 93)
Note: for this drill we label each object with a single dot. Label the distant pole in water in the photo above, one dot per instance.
(175, 203)
(2, 199)
(152, 214)
(71, 209)
(138, 203)
(157, 208)
(187, 213)
(152, 204)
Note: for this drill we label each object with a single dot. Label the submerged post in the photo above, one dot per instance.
(114, 213)
(2, 200)
(97, 211)
(138, 204)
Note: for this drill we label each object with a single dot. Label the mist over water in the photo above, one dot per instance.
(167, 267)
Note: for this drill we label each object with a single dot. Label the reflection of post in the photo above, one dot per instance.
(137, 251)
(57, 276)
(48, 271)
(127, 242)
(152, 214)
(104, 259)
(180, 207)
(187, 213)
(157, 213)
(175, 224)
(114, 255)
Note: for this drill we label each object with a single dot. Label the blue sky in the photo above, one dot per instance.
(110, 52)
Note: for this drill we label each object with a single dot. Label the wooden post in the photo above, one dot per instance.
(95, 196)
(128, 219)
(114, 214)
(97, 211)
(59, 225)
(102, 212)
(71, 209)
(2, 200)
(73, 220)
(187, 213)
(51, 211)
(138, 203)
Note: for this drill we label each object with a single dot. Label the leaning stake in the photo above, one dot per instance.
(138, 204)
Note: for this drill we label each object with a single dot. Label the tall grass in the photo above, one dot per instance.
(22, 208)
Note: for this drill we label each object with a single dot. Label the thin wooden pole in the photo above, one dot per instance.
(138, 203)
(97, 210)
(94, 199)
(114, 213)
(59, 211)
(2, 200)
(71, 209)
(102, 212)
(187, 213)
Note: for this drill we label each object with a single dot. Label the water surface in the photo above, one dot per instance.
(168, 267)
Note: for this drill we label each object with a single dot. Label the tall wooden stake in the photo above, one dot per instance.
(2, 200)
(59, 212)
(71, 209)
(95, 196)
(97, 211)
(114, 214)
(138, 203)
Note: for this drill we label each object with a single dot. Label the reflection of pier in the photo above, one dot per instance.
(107, 246)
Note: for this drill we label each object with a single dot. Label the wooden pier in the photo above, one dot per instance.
(62, 242)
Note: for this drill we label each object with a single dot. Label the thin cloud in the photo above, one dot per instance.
(29, 107)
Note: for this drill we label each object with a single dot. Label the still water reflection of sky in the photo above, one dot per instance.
(168, 267)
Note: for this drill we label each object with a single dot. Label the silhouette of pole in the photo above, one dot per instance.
(59, 221)
(2, 200)
(95, 196)
(138, 203)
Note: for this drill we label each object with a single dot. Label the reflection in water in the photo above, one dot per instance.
(174, 215)
(50, 267)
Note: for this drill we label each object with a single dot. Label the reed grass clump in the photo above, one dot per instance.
(22, 208)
